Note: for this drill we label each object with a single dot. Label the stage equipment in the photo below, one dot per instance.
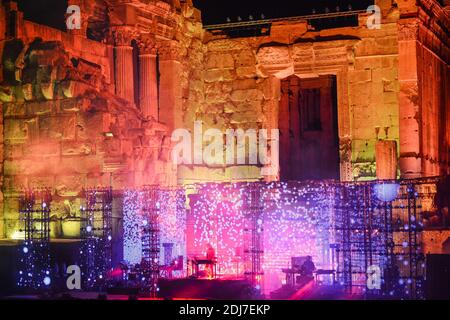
(96, 234)
(386, 234)
(205, 289)
(151, 240)
(253, 233)
(34, 218)
(196, 263)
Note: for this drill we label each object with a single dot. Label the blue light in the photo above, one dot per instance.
(25, 250)
(387, 192)
(47, 281)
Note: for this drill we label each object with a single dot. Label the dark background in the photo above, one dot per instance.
(52, 12)
(217, 11)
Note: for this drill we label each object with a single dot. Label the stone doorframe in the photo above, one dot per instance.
(312, 59)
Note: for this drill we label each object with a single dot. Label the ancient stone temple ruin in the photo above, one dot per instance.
(97, 105)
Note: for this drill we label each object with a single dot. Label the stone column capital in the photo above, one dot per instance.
(121, 37)
(169, 51)
(147, 46)
(408, 29)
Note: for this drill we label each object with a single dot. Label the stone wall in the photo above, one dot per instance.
(436, 242)
(424, 89)
(69, 120)
(64, 130)
(242, 88)
(235, 97)
(375, 98)
(68, 127)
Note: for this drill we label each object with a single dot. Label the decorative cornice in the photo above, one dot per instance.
(430, 27)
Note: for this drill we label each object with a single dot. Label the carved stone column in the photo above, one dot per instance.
(148, 85)
(409, 102)
(170, 99)
(123, 64)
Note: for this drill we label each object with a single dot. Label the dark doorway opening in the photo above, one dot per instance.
(308, 123)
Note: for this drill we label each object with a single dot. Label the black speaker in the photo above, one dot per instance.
(438, 277)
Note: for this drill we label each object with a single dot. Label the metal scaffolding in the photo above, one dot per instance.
(253, 234)
(34, 216)
(96, 234)
(151, 239)
(379, 232)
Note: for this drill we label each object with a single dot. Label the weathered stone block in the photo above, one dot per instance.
(390, 98)
(228, 45)
(386, 160)
(16, 130)
(247, 95)
(246, 117)
(368, 63)
(69, 186)
(77, 148)
(58, 127)
(14, 110)
(246, 72)
(245, 58)
(39, 108)
(69, 105)
(391, 86)
(43, 148)
(6, 94)
(244, 84)
(13, 151)
(36, 182)
(360, 76)
(217, 75)
(220, 61)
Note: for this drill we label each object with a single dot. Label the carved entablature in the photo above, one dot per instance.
(308, 58)
(430, 28)
(276, 60)
(434, 30)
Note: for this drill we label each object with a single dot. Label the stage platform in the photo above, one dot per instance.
(205, 289)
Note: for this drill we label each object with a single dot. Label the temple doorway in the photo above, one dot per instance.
(309, 141)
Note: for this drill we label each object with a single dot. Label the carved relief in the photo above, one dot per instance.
(169, 51)
(147, 45)
(408, 29)
(121, 36)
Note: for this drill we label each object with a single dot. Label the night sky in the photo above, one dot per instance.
(217, 11)
(51, 12)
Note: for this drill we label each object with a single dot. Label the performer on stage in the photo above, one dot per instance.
(211, 256)
(308, 267)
